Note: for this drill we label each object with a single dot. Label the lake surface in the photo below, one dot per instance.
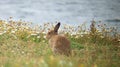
(72, 12)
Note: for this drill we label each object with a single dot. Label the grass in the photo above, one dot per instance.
(24, 46)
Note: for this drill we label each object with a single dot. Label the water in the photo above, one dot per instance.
(72, 12)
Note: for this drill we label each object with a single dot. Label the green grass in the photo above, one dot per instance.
(23, 46)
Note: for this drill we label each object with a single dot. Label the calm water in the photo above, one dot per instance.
(66, 11)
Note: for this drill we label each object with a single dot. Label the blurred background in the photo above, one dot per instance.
(72, 12)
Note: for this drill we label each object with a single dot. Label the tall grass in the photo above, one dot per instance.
(24, 45)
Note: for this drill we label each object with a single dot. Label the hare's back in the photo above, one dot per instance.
(61, 41)
(60, 44)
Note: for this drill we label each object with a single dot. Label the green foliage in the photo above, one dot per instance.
(76, 45)
(23, 46)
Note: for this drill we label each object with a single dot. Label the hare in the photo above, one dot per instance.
(59, 44)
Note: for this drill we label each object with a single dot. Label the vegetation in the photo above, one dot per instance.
(24, 45)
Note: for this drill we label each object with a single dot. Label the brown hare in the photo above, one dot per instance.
(59, 44)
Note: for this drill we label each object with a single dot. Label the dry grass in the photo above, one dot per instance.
(24, 45)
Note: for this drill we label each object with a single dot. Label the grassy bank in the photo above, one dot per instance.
(24, 45)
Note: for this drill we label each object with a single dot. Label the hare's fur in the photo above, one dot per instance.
(59, 44)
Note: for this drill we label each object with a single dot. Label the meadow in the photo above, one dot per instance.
(24, 45)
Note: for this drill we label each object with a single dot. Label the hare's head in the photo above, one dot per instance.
(53, 32)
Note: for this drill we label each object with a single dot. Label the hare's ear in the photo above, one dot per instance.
(57, 27)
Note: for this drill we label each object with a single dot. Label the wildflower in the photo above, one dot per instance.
(85, 32)
(61, 62)
(27, 27)
(6, 22)
(70, 64)
(81, 35)
(43, 63)
(33, 34)
(71, 34)
(28, 36)
(102, 36)
(77, 36)
(38, 37)
(74, 33)
(33, 39)
(23, 52)
(43, 41)
(37, 32)
(1, 33)
(118, 40)
(44, 37)
(44, 32)
(42, 60)
(16, 29)
(12, 31)
(12, 51)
